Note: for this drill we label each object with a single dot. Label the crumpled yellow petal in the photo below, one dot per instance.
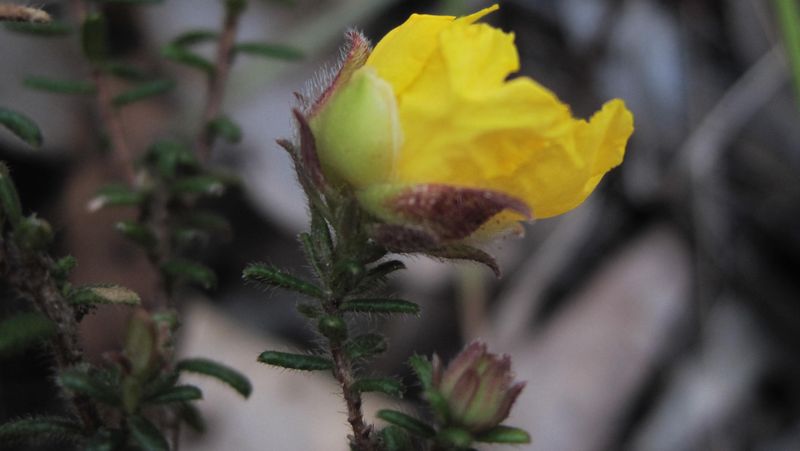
(464, 124)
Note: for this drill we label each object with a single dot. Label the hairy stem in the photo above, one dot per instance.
(218, 81)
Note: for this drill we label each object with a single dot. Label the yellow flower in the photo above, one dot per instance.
(432, 112)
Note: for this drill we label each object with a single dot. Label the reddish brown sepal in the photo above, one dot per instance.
(464, 252)
(403, 239)
(307, 159)
(357, 50)
(451, 212)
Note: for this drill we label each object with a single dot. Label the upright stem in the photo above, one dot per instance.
(218, 80)
(343, 371)
(114, 127)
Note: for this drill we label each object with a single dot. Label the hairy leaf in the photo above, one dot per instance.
(273, 277)
(235, 379)
(407, 422)
(295, 361)
(24, 330)
(398, 306)
(143, 91)
(59, 86)
(21, 126)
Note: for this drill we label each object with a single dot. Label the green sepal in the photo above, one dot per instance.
(41, 429)
(394, 438)
(138, 233)
(454, 438)
(366, 346)
(504, 434)
(190, 271)
(407, 422)
(51, 29)
(87, 382)
(24, 330)
(301, 362)
(273, 51)
(103, 294)
(21, 126)
(178, 393)
(387, 386)
(380, 306)
(143, 91)
(59, 86)
(146, 434)
(116, 195)
(270, 276)
(225, 128)
(180, 55)
(422, 369)
(94, 38)
(233, 378)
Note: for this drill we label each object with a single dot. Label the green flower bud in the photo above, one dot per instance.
(357, 130)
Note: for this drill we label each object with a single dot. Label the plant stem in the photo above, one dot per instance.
(113, 125)
(29, 275)
(218, 81)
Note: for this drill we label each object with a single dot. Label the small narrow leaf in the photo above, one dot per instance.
(409, 423)
(10, 207)
(310, 311)
(125, 71)
(146, 434)
(103, 294)
(42, 429)
(80, 380)
(193, 37)
(366, 345)
(143, 91)
(295, 361)
(380, 306)
(191, 416)
(189, 271)
(207, 221)
(385, 268)
(59, 86)
(386, 386)
(423, 369)
(138, 233)
(51, 29)
(225, 128)
(116, 195)
(23, 331)
(273, 277)
(504, 434)
(178, 393)
(199, 184)
(21, 126)
(181, 55)
(218, 371)
(94, 38)
(169, 155)
(395, 439)
(275, 51)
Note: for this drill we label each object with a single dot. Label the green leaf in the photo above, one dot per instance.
(142, 345)
(143, 91)
(310, 311)
(386, 386)
(504, 434)
(181, 55)
(10, 207)
(207, 221)
(116, 195)
(24, 330)
(189, 271)
(218, 371)
(86, 382)
(41, 429)
(409, 423)
(191, 416)
(94, 38)
(226, 129)
(64, 267)
(51, 29)
(199, 184)
(270, 276)
(146, 434)
(383, 269)
(169, 155)
(33, 233)
(295, 361)
(193, 37)
(398, 306)
(21, 126)
(59, 86)
(423, 369)
(394, 438)
(125, 71)
(365, 346)
(138, 233)
(275, 51)
(178, 393)
(103, 294)
(789, 19)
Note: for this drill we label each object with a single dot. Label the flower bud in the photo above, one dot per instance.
(479, 388)
(357, 130)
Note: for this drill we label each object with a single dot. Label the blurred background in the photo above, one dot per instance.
(663, 314)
